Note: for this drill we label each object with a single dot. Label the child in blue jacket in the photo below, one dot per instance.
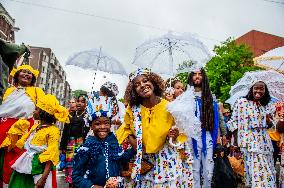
(100, 157)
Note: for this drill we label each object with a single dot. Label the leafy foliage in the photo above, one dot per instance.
(228, 66)
(78, 92)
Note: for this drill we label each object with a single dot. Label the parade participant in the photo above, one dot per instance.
(110, 89)
(36, 166)
(74, 134)
(72, 105)
(207, 113)
(147, 127)
(100, 157)
(169, 94)
(251, 118)
(16, 114)
(177, 86)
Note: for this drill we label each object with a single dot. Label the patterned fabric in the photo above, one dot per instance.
(72, 145)
(138, 72)
(138, 130)
(281, 175)
(102, 106)
(254, 141)
(250, 120)
(169, 171)
(259, 169)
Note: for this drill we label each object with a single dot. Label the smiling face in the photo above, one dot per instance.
(197, 78)
(101, 127)
(178, 89)
(25, 78)
(143, 86)
(258, 90)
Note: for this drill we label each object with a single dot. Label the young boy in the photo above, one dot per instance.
(100, 157)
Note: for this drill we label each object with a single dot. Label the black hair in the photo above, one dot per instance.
(107, 92)
(85, 97)
(16, 78)
(46, 117)
(207, 112)
(131, 96)
(264, 100)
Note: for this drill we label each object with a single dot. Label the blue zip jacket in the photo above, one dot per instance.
(92, 158)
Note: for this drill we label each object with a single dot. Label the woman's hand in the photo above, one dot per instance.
(132, 141)
(40, 183)
(116, 122)
(173, 133)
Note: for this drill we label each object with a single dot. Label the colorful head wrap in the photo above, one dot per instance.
(138, 72)
(112, 87)
(24, 67)
(50, 104)
(102, 106)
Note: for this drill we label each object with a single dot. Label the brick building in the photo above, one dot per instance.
(52, 77)
(7, 25)
(260, 42)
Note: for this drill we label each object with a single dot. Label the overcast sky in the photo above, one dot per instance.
(67, 33)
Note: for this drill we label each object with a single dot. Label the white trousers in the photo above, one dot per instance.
(203, 167)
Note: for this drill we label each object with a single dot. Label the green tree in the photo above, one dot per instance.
(228, 66)
(78, 92)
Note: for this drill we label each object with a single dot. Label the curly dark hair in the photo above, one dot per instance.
(107, 92)
(207, 112)
(16, 80)
(264, 100)
(132, 98)
(46, 117)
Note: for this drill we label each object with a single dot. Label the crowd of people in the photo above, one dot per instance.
(166, 134)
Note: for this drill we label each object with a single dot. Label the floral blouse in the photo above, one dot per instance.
(250, 120)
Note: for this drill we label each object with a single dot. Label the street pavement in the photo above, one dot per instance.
(60, 176)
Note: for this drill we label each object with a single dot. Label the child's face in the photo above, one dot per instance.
(169, 97)
(101, 127)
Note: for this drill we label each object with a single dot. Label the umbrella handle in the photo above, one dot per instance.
(94, 81)
(178, 144)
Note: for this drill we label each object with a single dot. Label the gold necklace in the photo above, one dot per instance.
(80, 114)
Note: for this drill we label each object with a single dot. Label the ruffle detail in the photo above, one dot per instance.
(183, 110)
(19, 128)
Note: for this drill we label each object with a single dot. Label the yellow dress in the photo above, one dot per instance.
(45, 136)
(156, 123)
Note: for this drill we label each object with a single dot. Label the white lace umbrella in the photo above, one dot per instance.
(171, 54)
(97, 60)
(274, 81)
